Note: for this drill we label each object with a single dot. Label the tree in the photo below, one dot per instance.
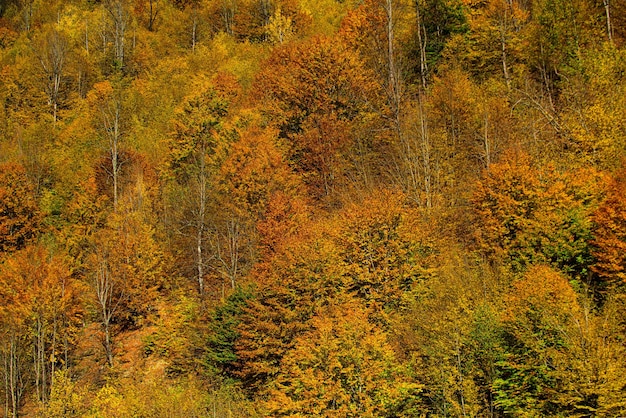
(119, 22)
(126, 271)
(342, 367)
(527, 215)
(493, 45)
(317, 93)
(111, 123)
(196, 145)
(253, 172)
(539, 308)
(439, 334)
(610, 236)
(382, 249)
(152, 9)
(40, 318)
(20, 217)
(558, 357)
(52, 52)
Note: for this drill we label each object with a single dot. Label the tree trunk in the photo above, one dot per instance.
(421, 40)
(201, 216)
(104, 293)
(609, 25)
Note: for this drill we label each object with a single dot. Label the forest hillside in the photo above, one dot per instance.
(325, 208)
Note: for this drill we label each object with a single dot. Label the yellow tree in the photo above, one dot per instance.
(125, 273)
(382, 248)
(110, 122)
(559, 356)
(342, 367)
(19, 212)
(52, 50)
(539, 308)
(198, 141)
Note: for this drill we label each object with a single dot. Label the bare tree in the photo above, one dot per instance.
(119, 21)
(52, 53)
(109, 297)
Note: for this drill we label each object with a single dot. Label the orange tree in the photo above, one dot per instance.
(317, 92)
(610, 236)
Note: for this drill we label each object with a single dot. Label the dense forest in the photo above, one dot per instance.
(333, 208)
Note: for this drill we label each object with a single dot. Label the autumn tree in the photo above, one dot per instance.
(40, 321)
(125, 272)
(552, 344)
(342, 367)
(288, 284)
(445, 334)
(52, 52)
(529, 215)
(119, 23)
(367, 253)
(151, 9)
(609, 239)
(383, 251)
(592, 108)
(494, 42)
(196, 144)
(20, 217)
(249, 177)
(110, 121)
(317, 93)
(557, 33)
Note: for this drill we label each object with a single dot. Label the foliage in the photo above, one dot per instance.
(527, 216)
(299, 207)
(19, 212)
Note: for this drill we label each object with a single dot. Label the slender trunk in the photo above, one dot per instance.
(5, 359)
(460, 371)
(153, 15)
(486, 142)
(114, 153)
(111, 119)
(421, 40)
(53, 352)
(36, 365)
(505, 67)
(233, 249)
(201, 221)
(194, 27)
(86, 38)
(609, 25)
(107, 342)
(119, 20)
(13, 379)
(104, 292)
(394, 82)
(42, 361)
(426, 155)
